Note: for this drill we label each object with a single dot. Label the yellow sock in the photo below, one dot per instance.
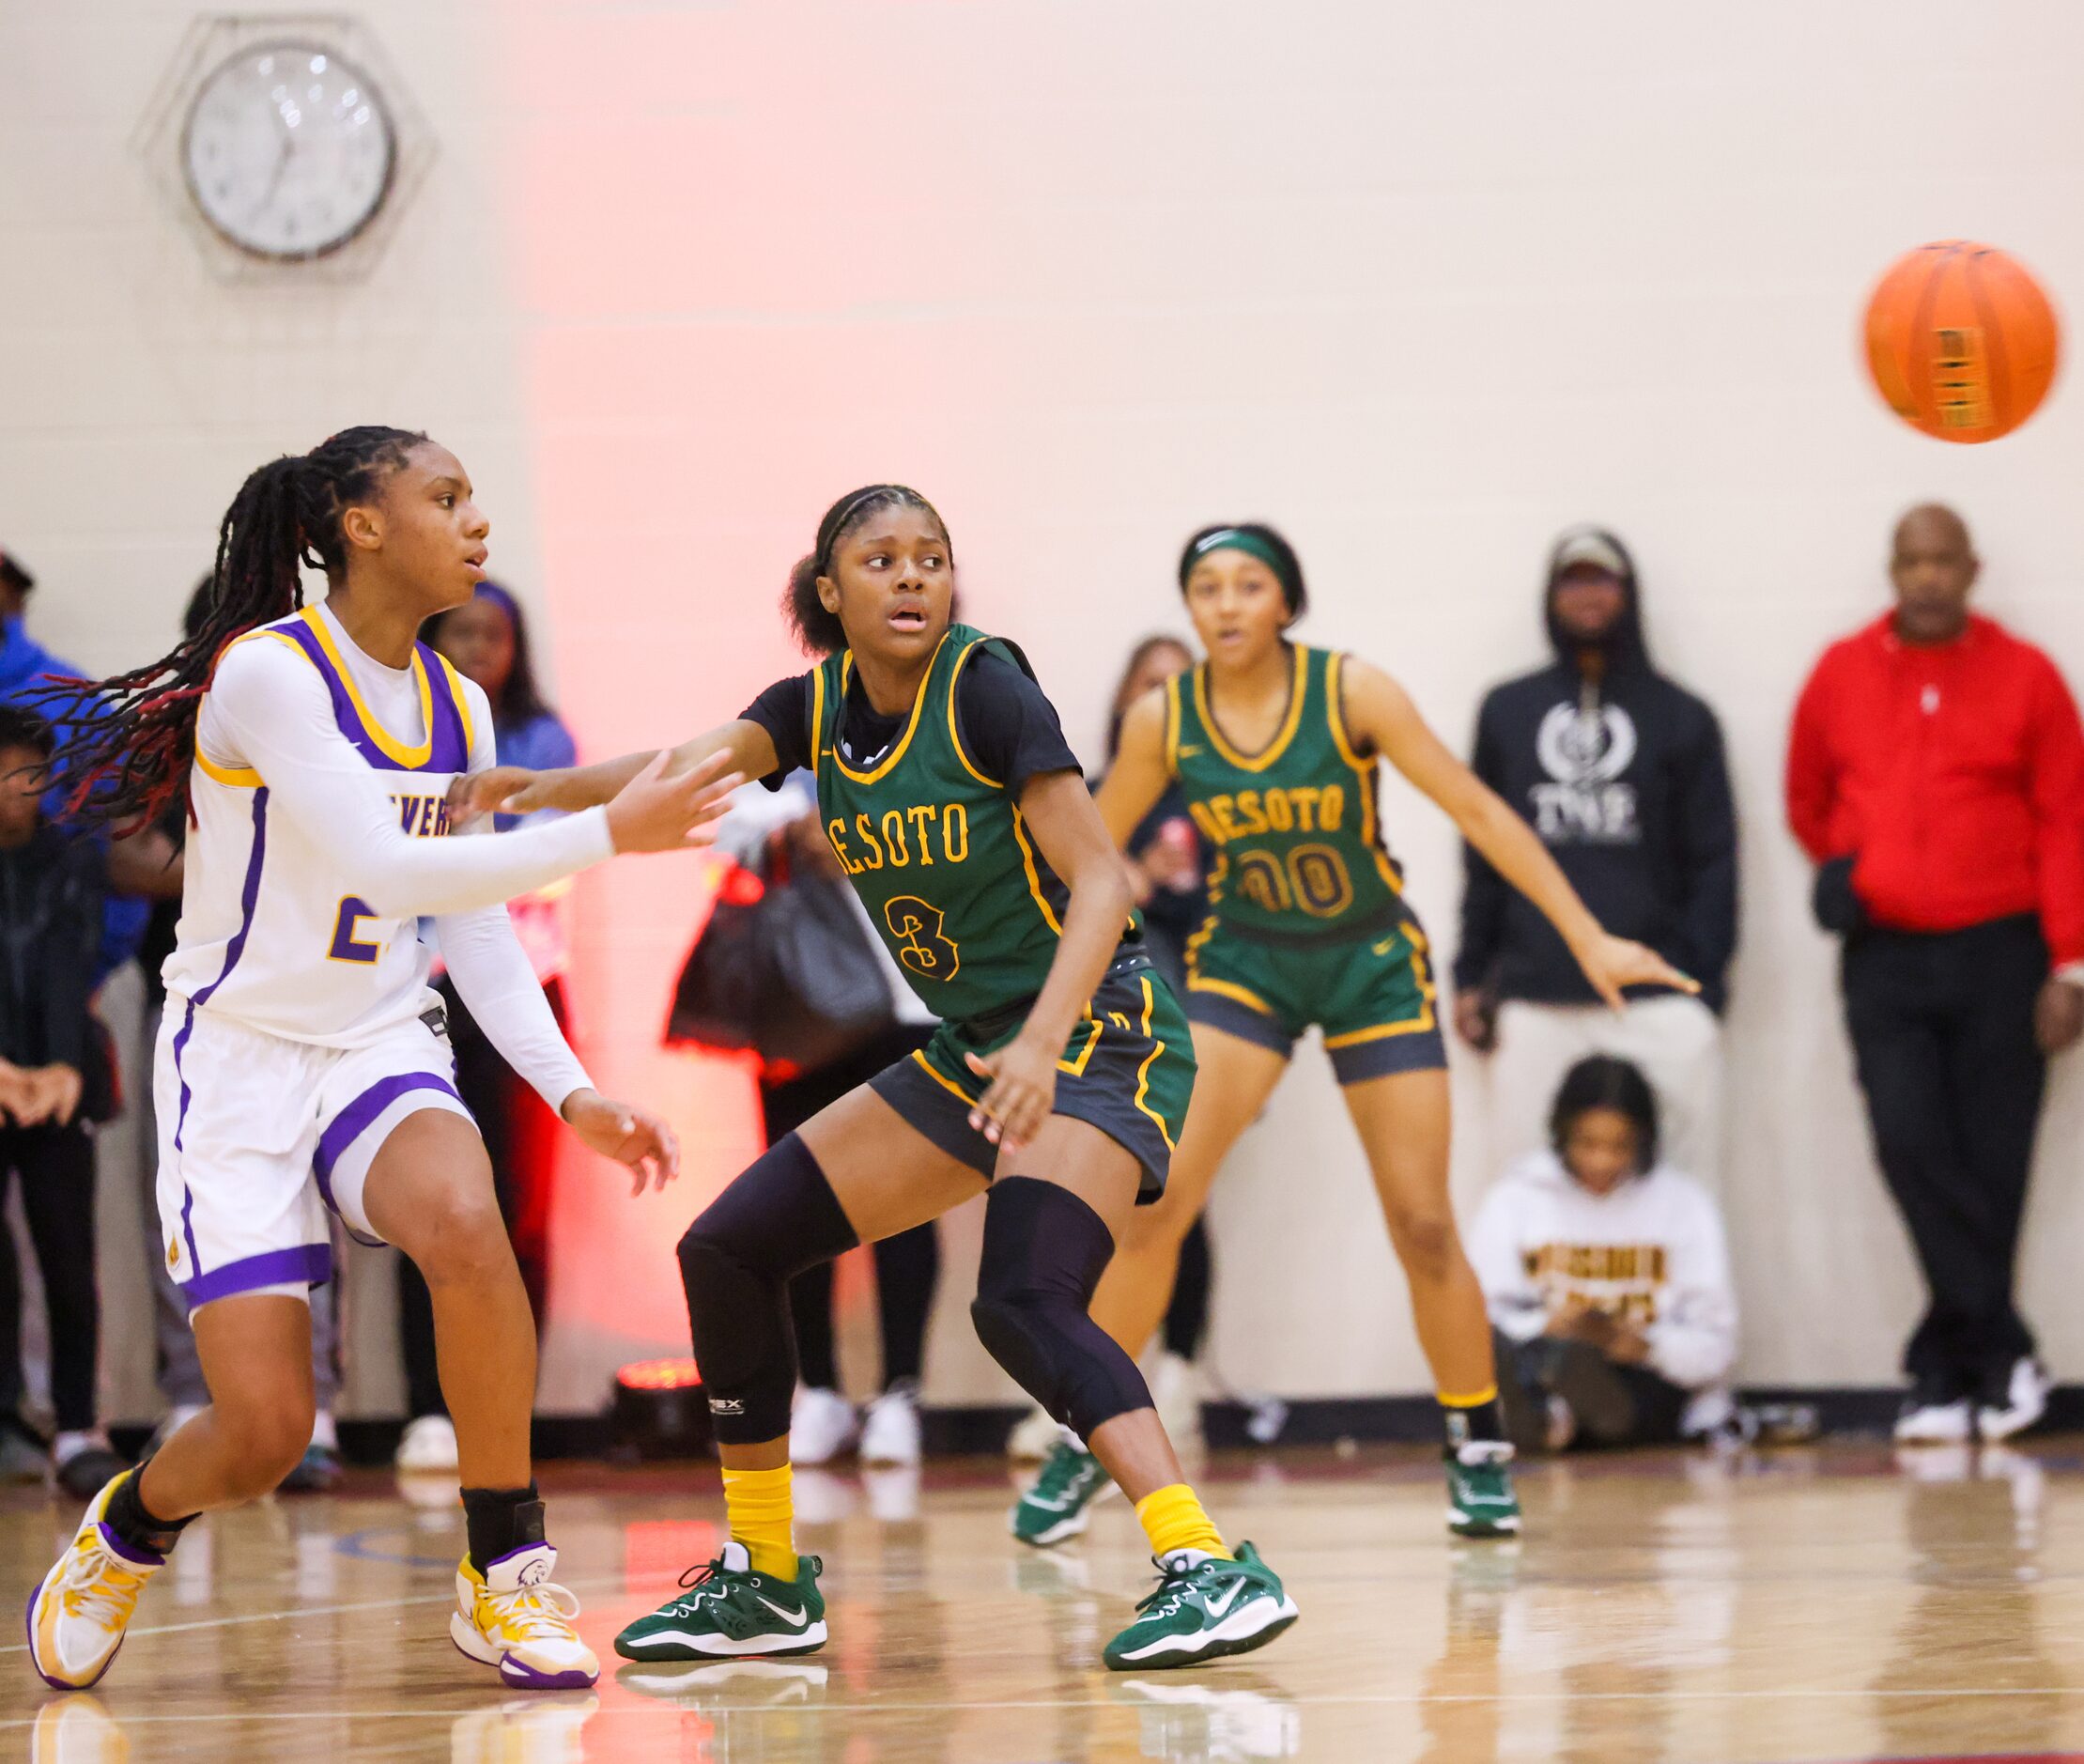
(763, 1516)
(1172, 1519)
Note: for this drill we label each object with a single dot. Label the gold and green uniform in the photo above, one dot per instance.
(1308, 923)
(941, 857)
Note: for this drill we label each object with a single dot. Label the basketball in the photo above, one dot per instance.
(1961, 341)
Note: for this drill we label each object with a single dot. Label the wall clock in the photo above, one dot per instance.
(289, 149)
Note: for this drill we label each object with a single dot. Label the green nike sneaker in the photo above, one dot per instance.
(728, 1611)
(1055, 1508)
(1481, 1501)
(1204, 1608)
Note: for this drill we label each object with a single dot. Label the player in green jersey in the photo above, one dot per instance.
(1058, 1080)
(1276, 747)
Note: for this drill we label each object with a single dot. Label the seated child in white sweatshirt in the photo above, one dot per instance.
(1607, 1278)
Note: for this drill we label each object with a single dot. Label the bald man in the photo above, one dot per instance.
(1936, 776)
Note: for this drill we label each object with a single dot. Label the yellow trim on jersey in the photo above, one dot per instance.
(1077, 1067)
(1362, 770)
(410, 758)
(1172, 727)
(1298, 690)
(1034, 876)
(462, 702)
(942, 1079)
(237, 777)
(1143, 1072)
(817, 715)
(918, 704)
(954, 734)
(1229, 989)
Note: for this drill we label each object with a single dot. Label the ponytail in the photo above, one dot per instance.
(124, 745)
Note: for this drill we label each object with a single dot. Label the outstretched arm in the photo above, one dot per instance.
(1070, 833)
(1379, 712)
(515, 790)
(267, 712)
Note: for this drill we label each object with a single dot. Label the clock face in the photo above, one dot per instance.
(288, 150)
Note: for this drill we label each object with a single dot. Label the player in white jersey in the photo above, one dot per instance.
(305, 1064)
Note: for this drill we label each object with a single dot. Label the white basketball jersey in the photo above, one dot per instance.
(272, 934)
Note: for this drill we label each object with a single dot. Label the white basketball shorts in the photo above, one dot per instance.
(260, 1136)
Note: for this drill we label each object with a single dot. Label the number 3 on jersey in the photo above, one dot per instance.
(921, 946)
(346, 946)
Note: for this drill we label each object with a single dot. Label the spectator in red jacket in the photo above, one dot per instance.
(1935, 775)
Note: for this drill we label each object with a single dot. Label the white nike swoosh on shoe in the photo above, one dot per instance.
(782, 1612)
(1219, 1607)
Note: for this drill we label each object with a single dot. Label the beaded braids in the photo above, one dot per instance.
(124, 745)
(820, 632)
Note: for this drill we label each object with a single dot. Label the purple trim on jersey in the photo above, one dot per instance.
(449, 749)
(355, 1119)
(249, 896)
(312, 1263)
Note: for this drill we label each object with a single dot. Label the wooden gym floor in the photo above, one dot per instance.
(1825, 1604)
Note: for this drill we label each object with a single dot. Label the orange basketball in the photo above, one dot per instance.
(1961, 341)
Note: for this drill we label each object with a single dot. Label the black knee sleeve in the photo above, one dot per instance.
(1044, 1252)
(777, 1218)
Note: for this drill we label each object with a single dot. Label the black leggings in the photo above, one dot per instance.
(907, 1266)
(56, 1168)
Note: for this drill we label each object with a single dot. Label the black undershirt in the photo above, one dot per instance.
(1009, 728)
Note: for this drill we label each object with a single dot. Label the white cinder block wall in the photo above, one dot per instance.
(1421, 287)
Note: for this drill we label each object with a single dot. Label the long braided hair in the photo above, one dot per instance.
(124, 745)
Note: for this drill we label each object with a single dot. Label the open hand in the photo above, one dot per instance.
(1022, 1095)
(1612, 962)
(655, 812)
(627, 1133)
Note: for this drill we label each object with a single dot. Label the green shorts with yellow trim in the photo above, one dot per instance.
(1128, 1070)
(1371, 994)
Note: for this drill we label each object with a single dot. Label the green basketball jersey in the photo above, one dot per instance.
(938, 852)
(1296, 829)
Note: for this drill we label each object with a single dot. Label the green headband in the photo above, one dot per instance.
(1237, 539)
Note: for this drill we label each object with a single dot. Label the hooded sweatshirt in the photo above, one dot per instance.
(1650, 1252)
(1624, 780)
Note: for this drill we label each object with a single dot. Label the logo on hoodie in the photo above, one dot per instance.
(1584, 750)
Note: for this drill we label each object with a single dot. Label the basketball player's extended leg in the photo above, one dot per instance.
(256, 1354)
(1235, 1079)
(430, 1191)
(854, 1173)
(1405, 1129)
(1056, 1210)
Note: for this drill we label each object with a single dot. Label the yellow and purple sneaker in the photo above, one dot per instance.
(514, 1618)
(80, 1609)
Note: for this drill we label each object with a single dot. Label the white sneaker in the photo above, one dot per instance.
(79, 1613)
(2025, 1403)
(512, 1616)
(1033, 1438)
(822, 1425)
(1176, 1394)
(427, 1445)
(1935, 1424)
(890, 1429)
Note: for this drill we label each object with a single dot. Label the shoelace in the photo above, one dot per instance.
(705, 1582)
(533, 1613)
(101, 1586)
(1175, 1581)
